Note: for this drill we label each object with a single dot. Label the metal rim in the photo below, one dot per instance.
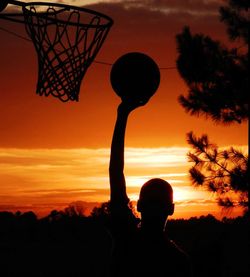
(25, 6)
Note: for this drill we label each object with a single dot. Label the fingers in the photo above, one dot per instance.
(130, 105)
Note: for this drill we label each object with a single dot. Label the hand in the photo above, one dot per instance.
(128, 105)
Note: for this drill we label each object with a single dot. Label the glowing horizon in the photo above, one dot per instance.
(36, 178)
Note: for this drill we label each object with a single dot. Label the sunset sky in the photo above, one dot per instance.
(54, 153)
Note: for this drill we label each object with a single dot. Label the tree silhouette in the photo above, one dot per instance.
(75, 209)
(236, 18)
(224, 172)
(217, 77)
(218, 82)
(101, 212)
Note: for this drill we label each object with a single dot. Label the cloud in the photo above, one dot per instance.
(83, 172)
(195, 8)
(166, 6)
(66, 175)
(196, 202)
(192, 8)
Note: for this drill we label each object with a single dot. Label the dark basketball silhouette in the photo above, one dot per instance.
(144, 250)
(135, 76)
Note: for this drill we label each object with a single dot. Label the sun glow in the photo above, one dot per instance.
(41, 179)
(181, 194)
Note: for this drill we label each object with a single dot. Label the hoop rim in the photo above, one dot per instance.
(51, 4)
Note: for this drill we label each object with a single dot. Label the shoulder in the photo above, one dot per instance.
(123, 220)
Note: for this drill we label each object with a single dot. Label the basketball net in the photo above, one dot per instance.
(67, 40)
(65, 47)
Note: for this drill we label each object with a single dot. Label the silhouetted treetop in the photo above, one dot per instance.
(217, 77)
(236, 17)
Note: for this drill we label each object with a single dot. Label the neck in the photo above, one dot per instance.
(153, 226)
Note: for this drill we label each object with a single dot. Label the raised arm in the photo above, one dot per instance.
(118, 195)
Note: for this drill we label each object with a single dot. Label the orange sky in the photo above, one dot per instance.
(31, 123)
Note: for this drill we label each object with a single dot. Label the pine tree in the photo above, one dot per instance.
(218, 87)
(221, 171)
(217, 77)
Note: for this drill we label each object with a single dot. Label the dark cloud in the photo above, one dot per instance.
(199, 8)
(151, 26)
(191, 7)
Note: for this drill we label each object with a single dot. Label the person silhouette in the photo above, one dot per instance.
(141, 250)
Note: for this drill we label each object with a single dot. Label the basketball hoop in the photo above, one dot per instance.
(67, 40)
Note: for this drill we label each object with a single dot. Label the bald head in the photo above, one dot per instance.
(156, 194)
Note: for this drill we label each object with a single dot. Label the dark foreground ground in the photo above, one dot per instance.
(72, 245)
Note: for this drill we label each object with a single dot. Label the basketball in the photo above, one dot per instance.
(135, 76)
(3, 4)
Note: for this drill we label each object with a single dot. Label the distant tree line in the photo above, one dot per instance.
(68, 243)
